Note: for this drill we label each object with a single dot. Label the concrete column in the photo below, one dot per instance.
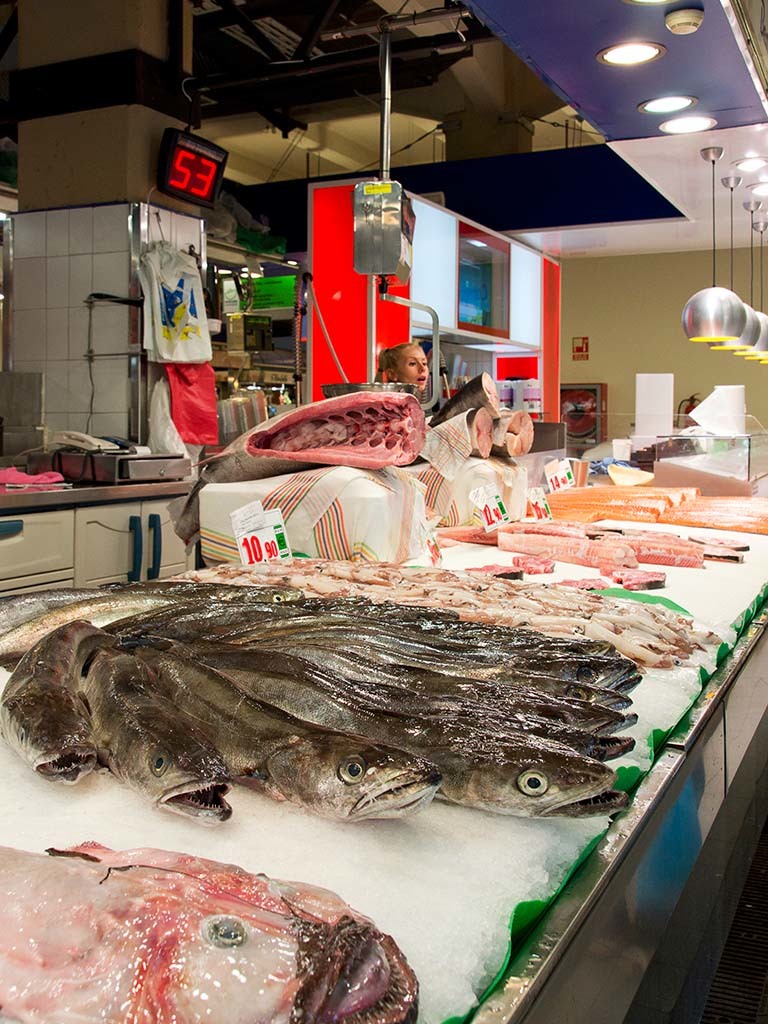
(98, 82)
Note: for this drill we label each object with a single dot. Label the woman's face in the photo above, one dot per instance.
(413, 368)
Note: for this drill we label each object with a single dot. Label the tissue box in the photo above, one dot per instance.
(331, 512)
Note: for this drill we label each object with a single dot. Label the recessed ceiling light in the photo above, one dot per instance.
(667, 104)
(684, 125)
(628, 54)
(750, 163)
(478, 243)
(759, 189)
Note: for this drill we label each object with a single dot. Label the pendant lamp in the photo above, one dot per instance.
(751, 333)
(759, 351)
(751, 327)
(714, 314)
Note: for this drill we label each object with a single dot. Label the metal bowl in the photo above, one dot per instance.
(336, 390)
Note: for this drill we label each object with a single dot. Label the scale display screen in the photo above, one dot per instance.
(190, 168)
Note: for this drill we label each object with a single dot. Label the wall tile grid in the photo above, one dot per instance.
(60, 257)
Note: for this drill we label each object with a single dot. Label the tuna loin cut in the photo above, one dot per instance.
(365, 430)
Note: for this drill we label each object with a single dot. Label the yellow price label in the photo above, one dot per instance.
(377, 188)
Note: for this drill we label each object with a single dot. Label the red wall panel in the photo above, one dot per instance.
(342, 293)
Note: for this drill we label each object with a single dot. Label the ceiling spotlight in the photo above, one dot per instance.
(759, 189)
(687, 125)
(628, 54)
(750, 163)
(667, 104)
(683, 22)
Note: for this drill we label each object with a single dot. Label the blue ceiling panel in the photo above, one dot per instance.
(558, 40)
(520, 192)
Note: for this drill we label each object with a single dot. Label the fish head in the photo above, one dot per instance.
(341, 777)
(239, 964)
(47, 725)
(534, 778)
(153, 746)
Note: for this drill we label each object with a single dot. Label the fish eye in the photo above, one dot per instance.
(159, 764)
(352, 769)
(224, 932)
(278, 599)
(532, 782)
(579, 693)
(586, 674)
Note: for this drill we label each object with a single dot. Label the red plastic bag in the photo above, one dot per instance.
(193, 402)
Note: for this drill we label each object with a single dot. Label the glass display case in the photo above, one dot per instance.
(716, 464)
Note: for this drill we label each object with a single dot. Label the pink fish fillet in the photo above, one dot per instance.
(639, 579)
(588, 583)
(90, 935)
(578, 551)
(464, 535)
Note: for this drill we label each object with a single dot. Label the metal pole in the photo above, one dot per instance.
(397, 21)
(385, 70)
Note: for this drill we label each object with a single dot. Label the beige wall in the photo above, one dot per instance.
(630, 307)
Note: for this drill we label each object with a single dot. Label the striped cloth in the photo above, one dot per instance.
(448, 446)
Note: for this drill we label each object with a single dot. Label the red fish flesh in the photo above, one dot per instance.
(598, 554)
(153, 936)
(639, 579)
(588, 583)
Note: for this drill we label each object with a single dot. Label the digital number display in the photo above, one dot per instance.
(190, 168)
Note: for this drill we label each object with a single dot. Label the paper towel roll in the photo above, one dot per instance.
(724, 411)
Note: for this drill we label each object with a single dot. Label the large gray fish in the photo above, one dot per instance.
(99, 608)
(42, 716)
(149, 744)
(494, 706)
(515, 774)
(327, 773)
(49, 607)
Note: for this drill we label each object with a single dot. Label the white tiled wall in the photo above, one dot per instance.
(59, 258)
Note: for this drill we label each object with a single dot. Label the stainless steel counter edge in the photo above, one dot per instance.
(563, 921)
(24, 501)
(561, 925)
(716, 688)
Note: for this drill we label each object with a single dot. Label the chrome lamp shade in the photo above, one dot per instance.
(714, 314)
(759, 351)
(749, 336)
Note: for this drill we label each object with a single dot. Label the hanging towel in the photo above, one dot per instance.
(193, 402)
(175, 321)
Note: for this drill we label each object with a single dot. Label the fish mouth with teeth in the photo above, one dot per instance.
(199, 801)
(395, 798)
(609, 802)
(70, 766)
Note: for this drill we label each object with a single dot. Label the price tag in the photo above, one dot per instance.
(260, 535)
(559, 474)
(433, 549)
(492, 509)
(537, 499)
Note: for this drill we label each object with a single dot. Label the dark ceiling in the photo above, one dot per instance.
(267, 57)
